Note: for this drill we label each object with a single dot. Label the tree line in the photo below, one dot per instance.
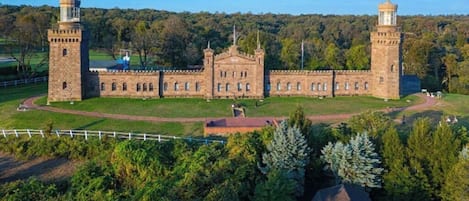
(435, 48)
(424, 161)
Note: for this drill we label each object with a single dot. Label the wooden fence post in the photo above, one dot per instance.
(29, 133)
(144, 137)
(86, 135)
(57, 132)
(4, 134)
(42, 133)
(99, 134)
(16, 133)
(115, 134)
(159, 138)
(71, 134)
(130, 136)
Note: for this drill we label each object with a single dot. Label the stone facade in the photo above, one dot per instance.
(231, 74)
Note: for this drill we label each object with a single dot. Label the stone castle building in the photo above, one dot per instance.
(232, 74)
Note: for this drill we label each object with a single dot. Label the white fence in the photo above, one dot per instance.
(104, 134)
(5, 84)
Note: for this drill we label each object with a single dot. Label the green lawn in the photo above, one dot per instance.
(10, 98)
(456, 104)
(96, 55)
(10, 118)
(275, 106)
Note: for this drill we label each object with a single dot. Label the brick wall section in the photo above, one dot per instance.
(138, 84)
(352, 83)
(183, 84)
(300, 83)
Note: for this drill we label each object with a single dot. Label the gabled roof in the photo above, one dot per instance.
(341, 193)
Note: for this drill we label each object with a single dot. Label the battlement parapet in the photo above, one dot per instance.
(299, 72)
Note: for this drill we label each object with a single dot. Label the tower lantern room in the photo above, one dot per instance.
(387, 14)
(69, 14)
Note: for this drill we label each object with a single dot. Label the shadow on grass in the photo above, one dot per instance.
(90, 124)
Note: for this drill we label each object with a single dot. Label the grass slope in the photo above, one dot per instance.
(274, 106)
(10, 98)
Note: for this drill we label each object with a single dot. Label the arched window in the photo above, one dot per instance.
(366, 85)
(245, 74)
(64, 52)
(324, 87)
(165, 86)
(64, 85)
(248, 87)
(319, 87)
(218, 87)
(124, 86)
(279, 87)
(187, 86)
(139, 87)
(392, 68)
(240, 86)
(176, 86)
(197, 86)
(288, 86)
(313, 86)
(144, 86)
(102, 86)
(356, 86)
(346, 86)
(113, 86)
(298, 86)
(150, 86)
(227, 86)
(337, 86)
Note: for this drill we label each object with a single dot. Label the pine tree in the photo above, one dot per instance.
(355, 162)
(288, 152)
(419, 145)
(277, 187)
(456, 187)
(397, 178)
(444, 155)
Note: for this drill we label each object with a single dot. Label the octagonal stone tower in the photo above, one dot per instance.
(386, 53)
(68, 56)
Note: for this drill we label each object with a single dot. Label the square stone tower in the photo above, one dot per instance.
(386, 54)
(68, 56)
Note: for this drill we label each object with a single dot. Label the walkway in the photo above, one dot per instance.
(29, 104)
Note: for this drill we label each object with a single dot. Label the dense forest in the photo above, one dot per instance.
(423, 161)
(435, 49)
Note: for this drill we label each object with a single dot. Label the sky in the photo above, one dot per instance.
(295, 7)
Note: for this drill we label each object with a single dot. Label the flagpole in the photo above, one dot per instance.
(302, 54)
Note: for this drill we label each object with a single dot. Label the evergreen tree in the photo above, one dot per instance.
(419, 145)
(397, 178)
(277, 188)
(288, 152)
(456, 187)
(444, 155)
(299, 120)
(355, 162)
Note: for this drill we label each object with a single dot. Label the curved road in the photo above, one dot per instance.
(29, 104)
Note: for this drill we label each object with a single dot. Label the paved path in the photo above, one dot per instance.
(29, 104)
